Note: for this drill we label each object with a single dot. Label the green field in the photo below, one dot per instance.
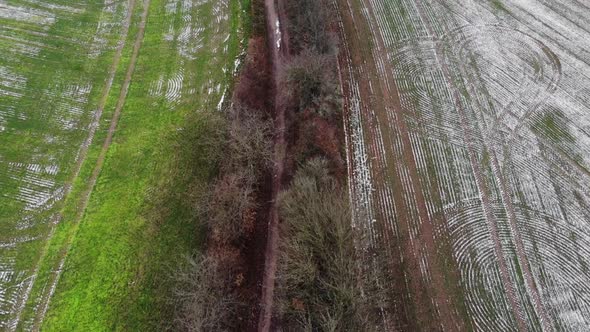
(106, 264)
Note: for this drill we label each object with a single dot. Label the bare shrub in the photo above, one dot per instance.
(309, 23)
(254, 88)
(232, 197)
(249, 145)
(203, 298)
(319, 280)
(231, 200)
(312, 81)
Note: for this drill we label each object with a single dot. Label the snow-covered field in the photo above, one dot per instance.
(469, 144)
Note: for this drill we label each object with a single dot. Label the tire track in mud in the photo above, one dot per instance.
(82, 153)
(448, 318)
(433, 304)
(484, 190)
(85, 197)
(519, 244)
(540, 98)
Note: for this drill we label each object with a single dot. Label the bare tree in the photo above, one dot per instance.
(319, 279)
(250, 140)
(203, 301)
(312, 82)
(232, 197)
(309, 24)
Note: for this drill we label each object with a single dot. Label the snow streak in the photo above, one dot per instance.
(494, 99)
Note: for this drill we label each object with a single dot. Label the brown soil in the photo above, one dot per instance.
(420, 306)
(277, 50)
(253, 91)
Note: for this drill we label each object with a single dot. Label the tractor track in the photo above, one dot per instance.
(81, 154)
(414, 251)
(85, 197)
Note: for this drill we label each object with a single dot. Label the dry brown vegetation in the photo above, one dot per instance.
(218, 290)
(309, 23)
(320, 286)
(311, 86)
(206, 302)
(254, 86)
(208, 294)
(312, 81)
(232, 199)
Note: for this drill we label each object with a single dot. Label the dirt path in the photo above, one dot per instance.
(278, 50)
(85, 197)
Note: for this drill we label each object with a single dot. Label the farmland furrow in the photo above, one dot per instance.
(360, 169)
(76, 94)
(492, 143)
(520, 252)
(529, 107)
(486, 201)
(476, 82)
(541, 114)
(85, 197)
(406, 209)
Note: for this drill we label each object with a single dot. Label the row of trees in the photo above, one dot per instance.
(216, 288)
(320, 284)
(206, 296)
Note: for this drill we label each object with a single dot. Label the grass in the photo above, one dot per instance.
(138, 221)
(553, 126)
(33, 129)
(499, 6)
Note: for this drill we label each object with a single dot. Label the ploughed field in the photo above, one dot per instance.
(92, 94)
(468, 133)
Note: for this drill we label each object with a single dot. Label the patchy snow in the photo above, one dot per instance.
(497, 108)
(26, 14)
(278, 34)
